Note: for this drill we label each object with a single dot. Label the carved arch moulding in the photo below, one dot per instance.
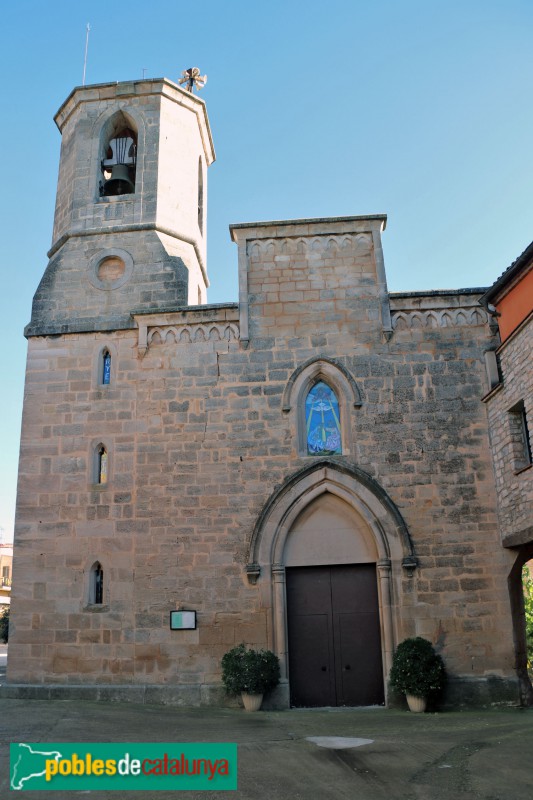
(348, 482)
(179, 333)
(438, 318)
(380, 516)
(311, 370)
(322, 245)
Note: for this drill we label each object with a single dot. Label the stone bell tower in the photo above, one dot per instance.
(130, 217)
(129, 241)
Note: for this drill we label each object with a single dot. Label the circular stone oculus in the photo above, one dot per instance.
(109, 269)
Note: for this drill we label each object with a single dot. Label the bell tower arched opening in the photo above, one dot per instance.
(118, 157)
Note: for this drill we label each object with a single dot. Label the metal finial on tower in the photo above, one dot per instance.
(193, 79)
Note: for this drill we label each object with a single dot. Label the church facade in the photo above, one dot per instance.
(307, 470)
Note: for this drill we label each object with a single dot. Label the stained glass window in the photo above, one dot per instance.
(322, 421)
(106, 368)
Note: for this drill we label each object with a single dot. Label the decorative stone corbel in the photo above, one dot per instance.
(493, 319)
(253, 572)
(142, 345)
(409, 563)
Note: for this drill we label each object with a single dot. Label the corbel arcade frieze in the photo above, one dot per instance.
(438, 318)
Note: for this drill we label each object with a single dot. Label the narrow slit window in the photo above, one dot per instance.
(322, 421)
(200, 196)
(97, 584)
(106, 368)
(102, 465)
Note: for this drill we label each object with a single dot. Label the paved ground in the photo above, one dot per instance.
(452, 756)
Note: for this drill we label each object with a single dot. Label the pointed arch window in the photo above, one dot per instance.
(96, 587)
(319, 398)
(322, 421)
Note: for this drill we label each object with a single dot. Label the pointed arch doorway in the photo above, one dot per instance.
(334, 636)
(333, 620)
(329, 550)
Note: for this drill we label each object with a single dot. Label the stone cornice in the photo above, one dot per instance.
(132, 228)
(307, 227)
(162, 86)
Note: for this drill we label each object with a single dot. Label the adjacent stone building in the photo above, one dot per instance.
(308, 470)
(510, 410)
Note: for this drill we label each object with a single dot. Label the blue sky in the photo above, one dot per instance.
(417, 109)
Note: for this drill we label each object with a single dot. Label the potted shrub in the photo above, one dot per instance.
(4, 624)
(250, 673)
(417, 671)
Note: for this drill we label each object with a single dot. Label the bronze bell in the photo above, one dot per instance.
(119, 182)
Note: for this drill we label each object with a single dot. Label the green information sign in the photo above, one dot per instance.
(122, 766)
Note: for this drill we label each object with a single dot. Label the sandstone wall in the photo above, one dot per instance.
(198, 441)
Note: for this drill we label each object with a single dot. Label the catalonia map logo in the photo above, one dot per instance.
(123, 766)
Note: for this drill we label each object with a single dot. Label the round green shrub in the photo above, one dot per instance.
(251, 671)
(417, 669)
(4, 625)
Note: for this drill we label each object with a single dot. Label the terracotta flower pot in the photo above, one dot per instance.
(252, 702)
(416, 704)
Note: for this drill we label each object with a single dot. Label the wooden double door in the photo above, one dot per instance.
(334, 636)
